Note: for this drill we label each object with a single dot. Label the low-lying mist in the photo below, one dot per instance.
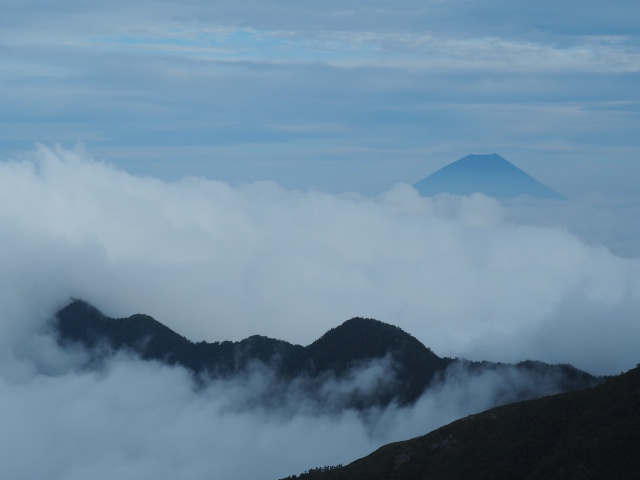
(467, 276)
(129, 418)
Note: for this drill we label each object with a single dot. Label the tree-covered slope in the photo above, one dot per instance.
(589, 434)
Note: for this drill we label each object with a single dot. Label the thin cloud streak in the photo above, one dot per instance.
(224, 78)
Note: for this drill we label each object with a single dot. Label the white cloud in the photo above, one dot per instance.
(217, 262)
(466, 276)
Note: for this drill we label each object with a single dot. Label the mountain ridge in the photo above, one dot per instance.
(352, 345)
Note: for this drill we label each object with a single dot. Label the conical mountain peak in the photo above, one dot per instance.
(489, 174)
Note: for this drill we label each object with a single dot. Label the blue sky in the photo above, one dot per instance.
(336, 96)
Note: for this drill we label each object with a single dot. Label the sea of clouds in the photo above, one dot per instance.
(468, 276)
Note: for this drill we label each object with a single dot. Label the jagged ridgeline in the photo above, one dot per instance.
(400, 367)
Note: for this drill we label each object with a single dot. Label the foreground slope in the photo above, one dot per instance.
(490, 174)
(590, 434)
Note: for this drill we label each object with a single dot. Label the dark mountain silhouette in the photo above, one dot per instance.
(351, 346)
(491, 175)
(590, 434)
(360, 340)
(81, 323)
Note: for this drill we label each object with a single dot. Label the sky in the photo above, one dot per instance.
(245, 168)
(334, 96)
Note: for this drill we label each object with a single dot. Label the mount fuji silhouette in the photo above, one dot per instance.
(489, 174)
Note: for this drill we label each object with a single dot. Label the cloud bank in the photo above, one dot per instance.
(467, 276)
(216, 262)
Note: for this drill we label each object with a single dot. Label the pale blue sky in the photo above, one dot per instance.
(337, 96)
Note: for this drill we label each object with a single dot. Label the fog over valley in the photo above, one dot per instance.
(551, 280)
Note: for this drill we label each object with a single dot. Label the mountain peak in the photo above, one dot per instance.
(365, 338)
(484, 157)
(489, 174)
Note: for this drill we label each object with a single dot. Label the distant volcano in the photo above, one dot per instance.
(490, 174)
